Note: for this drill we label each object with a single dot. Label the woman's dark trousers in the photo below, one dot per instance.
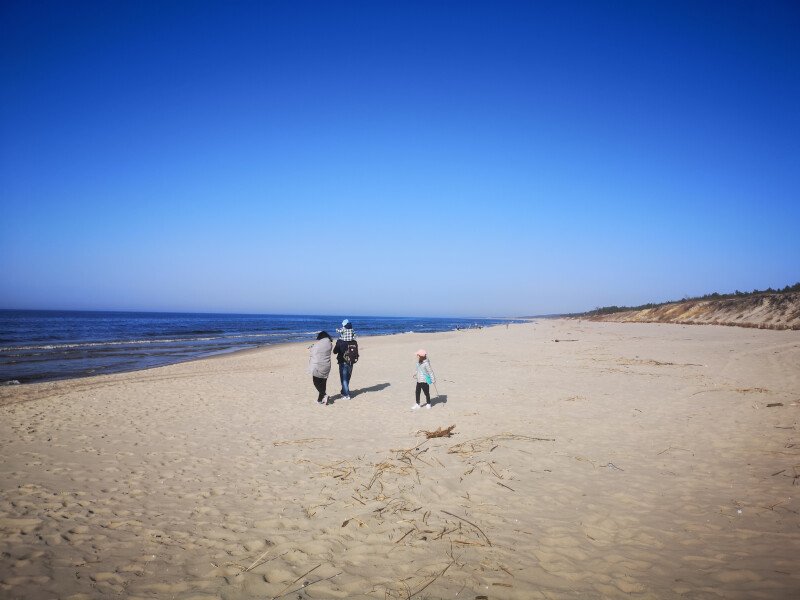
(320, 383)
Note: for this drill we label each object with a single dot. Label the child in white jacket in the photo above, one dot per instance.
(425, 377)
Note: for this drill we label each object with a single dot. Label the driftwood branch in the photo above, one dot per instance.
(440, 432)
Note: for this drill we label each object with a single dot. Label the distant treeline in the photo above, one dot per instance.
(606, 310)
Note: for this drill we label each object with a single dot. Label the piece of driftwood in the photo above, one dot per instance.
(440, 432)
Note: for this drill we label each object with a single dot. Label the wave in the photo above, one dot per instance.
(185, 332)
(140, 342)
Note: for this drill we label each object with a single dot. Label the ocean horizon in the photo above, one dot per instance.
(48, 345)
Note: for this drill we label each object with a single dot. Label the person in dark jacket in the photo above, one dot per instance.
(347, 337)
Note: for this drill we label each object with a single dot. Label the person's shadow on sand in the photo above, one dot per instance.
(440, 399)
(373, 388)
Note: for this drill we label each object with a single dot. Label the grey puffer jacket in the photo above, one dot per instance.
(319, 365)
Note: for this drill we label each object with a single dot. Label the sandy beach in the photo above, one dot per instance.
(589, 460)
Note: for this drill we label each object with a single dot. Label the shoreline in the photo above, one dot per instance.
(198, 355)
(99, 380)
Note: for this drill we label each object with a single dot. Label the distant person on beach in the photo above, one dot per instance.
(319, 365)
(425, 377)
(346, 350)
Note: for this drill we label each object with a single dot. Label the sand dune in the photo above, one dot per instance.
(762, 311)
(592, 460)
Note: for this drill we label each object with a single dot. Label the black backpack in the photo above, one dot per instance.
(350, 354)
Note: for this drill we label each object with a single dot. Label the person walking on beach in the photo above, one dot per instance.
(346, 350)
(425, 377)
(319, 365)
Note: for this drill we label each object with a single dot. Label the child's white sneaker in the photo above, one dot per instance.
(415, 407)
(428, 406)
(324, 401)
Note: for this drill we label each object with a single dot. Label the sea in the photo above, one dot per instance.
(40, 346)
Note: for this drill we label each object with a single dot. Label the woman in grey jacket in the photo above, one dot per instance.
(319, 364)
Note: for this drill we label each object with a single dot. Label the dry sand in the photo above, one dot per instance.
(624, 460)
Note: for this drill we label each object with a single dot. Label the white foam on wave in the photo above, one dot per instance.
(140, 342)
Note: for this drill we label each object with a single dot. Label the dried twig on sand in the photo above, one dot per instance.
(284, 592)
(396, 505)
(307, 584)
(489, 443)
(342, 470)
(292, 442)
(482, 466)
(672, 448)
(404, 535)
(440, 432)
(359, 521)
(613, 466)
(256, 563)
(260, 561)
(380, 468)
(435, 577)
(488, 541)
(402, 464)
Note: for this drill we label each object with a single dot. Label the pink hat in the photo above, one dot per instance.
(421, 352)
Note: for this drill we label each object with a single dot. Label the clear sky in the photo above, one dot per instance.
(396, 158)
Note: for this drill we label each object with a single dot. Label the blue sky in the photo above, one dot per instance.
(396, 158)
